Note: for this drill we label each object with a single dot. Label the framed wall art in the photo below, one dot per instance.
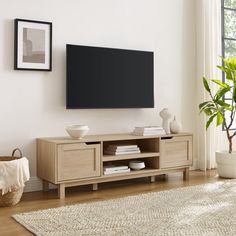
(33, 45)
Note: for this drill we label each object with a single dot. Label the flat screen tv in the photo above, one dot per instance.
(108, 78)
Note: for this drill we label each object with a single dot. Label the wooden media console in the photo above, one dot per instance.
(68, 162)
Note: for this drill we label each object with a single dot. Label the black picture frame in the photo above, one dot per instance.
(32, 45)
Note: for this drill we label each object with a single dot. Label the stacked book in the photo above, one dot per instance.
(122, 149)
(108, 170)
(149, 130)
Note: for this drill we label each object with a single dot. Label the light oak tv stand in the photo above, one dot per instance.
(68, 162)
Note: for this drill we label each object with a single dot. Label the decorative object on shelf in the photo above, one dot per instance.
(166, 115)
(77, 131)
(149, 130)
(122, 149)
(175, 126)
(112, 169)
(136, 165)
(33, 45)
(14, 172)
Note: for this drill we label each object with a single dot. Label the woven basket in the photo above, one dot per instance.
(13, 197)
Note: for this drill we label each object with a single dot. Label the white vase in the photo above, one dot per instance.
(226, 164)
(166, 115)
(175, 126)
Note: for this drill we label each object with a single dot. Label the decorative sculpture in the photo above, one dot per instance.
(165, 115)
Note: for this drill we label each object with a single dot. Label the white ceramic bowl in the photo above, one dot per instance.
(136, 165)
(77, 131)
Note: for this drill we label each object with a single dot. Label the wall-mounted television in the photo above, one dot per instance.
(100, 77)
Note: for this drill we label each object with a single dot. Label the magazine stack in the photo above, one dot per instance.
(122, 149)
(149, 130)
(108, 170)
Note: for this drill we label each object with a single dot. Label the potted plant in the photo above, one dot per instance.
(215, 109)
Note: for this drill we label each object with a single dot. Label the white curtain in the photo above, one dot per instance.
(208, 50)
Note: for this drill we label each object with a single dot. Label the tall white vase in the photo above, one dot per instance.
(166, 115)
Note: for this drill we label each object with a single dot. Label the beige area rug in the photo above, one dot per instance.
(199, 210)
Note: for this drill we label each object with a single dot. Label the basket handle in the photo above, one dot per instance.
(16, 149)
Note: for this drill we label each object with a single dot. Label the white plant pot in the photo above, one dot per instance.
(226, 164)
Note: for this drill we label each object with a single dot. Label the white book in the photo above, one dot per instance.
(115, 168)
(155, 133)
(122, 146)
(150, 133)
(121, 153)
(122, 150)
(116, 172)
(148, 128)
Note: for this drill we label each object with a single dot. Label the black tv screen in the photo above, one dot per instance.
(108, 78)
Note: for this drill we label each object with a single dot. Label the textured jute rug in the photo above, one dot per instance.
(199, 210)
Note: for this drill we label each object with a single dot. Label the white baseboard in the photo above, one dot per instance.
(35, 184)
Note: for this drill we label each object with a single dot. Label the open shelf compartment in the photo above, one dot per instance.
(148, 148)
(151, 163)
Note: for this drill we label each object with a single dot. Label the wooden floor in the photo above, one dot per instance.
(40, 200)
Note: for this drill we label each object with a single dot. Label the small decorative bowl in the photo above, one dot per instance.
(77, 131)
(136, 165)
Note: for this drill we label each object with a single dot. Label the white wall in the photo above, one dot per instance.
(32, 104)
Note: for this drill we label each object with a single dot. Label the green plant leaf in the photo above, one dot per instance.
(229, 67)
(220, 83)
(234, 94)
(220, 119)
(210, 120)
(208, 105)
(232, 63)
(206, 85)
(225, 61)
(224, 105)
(228, 74)
(221, 92)
(221, 68)
(201, 105)
(208, 111)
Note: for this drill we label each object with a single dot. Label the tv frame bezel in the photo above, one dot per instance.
(99, 108)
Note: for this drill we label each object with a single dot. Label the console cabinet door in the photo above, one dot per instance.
(78, 161)
(175, 151)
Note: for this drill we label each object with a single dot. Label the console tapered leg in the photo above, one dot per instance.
(95, 187)
(186, 174)
(61, 191)
(152, 179)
